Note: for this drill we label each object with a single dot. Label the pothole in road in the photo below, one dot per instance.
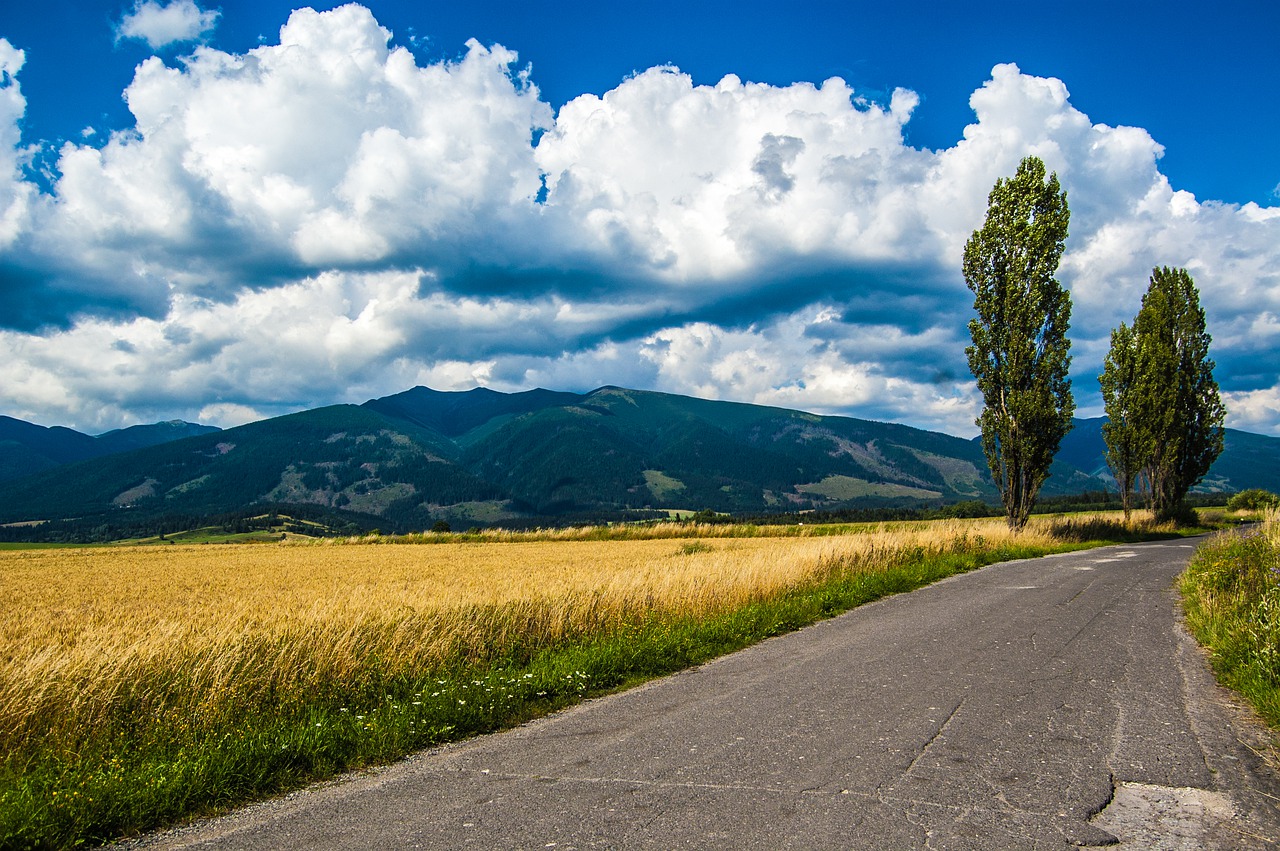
(1164, 818)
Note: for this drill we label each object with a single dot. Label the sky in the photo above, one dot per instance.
(220, 212)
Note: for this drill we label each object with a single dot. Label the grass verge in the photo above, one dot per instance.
(1231, 596)
(139, 757)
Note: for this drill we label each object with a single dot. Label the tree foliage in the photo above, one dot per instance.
(1254, 499)
(1020, 352)
(1163, 402)
(1127, 445)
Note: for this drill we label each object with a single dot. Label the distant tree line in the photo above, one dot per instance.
(315, 521)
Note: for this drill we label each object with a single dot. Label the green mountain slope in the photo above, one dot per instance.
(142, 436)
(456, 414)
(481, 457)
(628, 448)
(1247, 461)
(342, 457)
(26, 448)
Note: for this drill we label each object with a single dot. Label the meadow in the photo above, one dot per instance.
(141, 685)
(1231, 596)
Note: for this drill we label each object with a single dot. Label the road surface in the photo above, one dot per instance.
(1039, 704)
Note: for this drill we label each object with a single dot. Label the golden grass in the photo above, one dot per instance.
(191, 635)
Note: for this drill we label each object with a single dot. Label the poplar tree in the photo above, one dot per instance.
(1127, 443)
(1177, 411)
(1020, 352)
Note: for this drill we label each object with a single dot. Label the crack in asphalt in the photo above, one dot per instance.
(1106, 610)
(936, 734)
(635, 781)
(1076, 596)
(1181, 650)
(890, 799)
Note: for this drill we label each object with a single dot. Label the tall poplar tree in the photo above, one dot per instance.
(1020, 352)
(1128, 443)
(1178, 413)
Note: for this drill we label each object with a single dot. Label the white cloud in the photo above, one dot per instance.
(785, 365)
(1253, 410)
(164, 24)
(228, 414)
(15, 193)
(327, 213)
(329, 149)
(701, 183)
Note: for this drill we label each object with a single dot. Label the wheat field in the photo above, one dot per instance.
(144, 684)
(197, 633)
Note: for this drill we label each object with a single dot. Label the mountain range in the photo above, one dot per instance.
(482, 457)
(26, 448)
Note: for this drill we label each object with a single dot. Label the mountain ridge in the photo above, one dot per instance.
(27, 448)
(482, 457)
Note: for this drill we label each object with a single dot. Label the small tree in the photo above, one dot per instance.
(1127, 443)
(1181, 410)
(1020, 348)
(1253, 499)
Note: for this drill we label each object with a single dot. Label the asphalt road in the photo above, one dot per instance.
(1037, 704)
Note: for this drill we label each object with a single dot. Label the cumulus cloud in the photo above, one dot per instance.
(284, 348)
(160, 25)
(788, 363)
(325, 212)
(15, 193)
(699, 184)
(1256, 410)
(330, 149)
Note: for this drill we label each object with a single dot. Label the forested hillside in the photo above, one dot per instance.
(480, 457)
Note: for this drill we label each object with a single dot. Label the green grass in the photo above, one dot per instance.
(661, 485)
(133, 776)
(847, 487)
(1231, 596)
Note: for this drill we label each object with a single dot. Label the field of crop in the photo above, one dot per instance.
(142, 684)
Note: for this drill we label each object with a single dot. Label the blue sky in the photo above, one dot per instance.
(1203, 83)
(203, 216)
